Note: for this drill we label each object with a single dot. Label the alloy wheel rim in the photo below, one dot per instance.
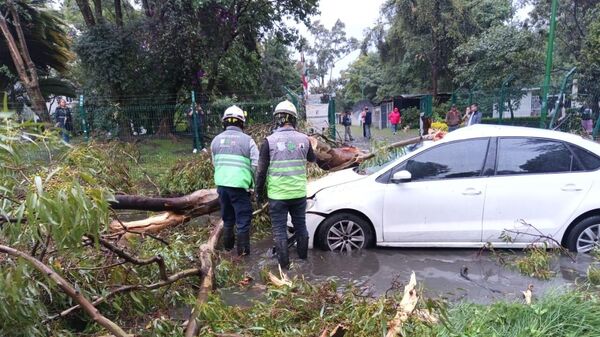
(345, 236)
(588, 239)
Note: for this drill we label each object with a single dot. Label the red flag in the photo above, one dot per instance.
(304, 72)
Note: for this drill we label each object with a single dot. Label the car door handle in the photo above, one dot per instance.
(571, 188)
(471, 191)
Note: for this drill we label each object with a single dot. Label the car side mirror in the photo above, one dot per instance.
(401, 177)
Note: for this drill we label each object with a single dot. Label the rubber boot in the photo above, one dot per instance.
(282, 254)
(243, 244)
(302, 247)
(228, 238)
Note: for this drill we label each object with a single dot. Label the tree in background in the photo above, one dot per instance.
(423, 35)
(329, 47)
(485, 61)
(362, 80)
(36, 45)
(576, 26)
(589, 64)
(277, 69)
(210, 46)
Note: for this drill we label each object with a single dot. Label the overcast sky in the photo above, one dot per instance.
(359, 15)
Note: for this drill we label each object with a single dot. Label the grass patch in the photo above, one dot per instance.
(158, 155)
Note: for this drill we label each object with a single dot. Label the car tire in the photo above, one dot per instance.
(585, 235)
(345, 232)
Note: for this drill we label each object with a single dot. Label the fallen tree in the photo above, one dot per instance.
(177, 211)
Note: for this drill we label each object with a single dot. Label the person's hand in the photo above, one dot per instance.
(57, 125)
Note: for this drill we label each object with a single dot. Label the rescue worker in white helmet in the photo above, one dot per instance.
(235, 157)
(282, 168)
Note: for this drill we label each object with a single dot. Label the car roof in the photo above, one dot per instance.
(487, 130)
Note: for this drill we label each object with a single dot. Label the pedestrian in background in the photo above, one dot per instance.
(586, 120)
(453, 118)
(367, 120)
(64, 119)
(395, 119)
(347, 122)
(235, 158)
(475, 115)
(282, 168)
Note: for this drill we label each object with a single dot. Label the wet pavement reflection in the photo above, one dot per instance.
(455, 274)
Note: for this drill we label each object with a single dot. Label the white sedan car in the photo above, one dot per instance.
(471, 188)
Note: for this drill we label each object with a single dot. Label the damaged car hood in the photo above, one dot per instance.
(333, 179)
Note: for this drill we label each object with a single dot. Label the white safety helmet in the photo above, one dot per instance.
(234, 112)
(286, 107)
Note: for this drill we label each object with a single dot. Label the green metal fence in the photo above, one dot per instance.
(102, 118)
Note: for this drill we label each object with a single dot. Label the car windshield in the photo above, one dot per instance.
(384, 157)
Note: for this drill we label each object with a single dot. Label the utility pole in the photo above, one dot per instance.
(549, 53)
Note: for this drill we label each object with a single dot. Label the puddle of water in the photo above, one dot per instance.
(438, 270)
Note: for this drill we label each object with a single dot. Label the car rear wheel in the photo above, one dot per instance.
(585, 235)
(345, 232)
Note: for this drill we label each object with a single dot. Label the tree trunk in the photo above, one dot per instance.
(25, 67)
(434, 80)
(118, 14)
(146, 7)
(86, 12)
(98, 11)
(179, 210)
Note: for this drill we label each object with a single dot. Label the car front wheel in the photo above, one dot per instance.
(585, 235)
(345, 232)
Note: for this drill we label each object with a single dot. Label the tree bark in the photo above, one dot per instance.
(146, 7)
(26, 69)
(207, 251)
(203, 201)
(434, 80)
(118, 14)
(98, 11)
(86, 12)
(75, 294)
(179, 210)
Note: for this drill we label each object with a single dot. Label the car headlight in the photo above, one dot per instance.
(310, 203)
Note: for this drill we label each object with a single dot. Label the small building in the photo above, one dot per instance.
(406, 101)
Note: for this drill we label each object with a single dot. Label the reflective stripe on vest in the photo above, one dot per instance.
(286, 178)
(231, 153)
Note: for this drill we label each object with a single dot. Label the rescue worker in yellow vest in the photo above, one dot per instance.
(282, 167)
(235, 157)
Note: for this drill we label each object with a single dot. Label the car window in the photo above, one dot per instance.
(460, 159)
(534, 155)
(590, 161)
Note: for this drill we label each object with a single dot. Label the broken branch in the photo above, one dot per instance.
(206, 286)
(75, 294)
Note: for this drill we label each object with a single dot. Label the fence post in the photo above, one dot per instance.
(561, 97)
(5, 102)
(549, 54)
(503, 97)
(82, 115)
(197, 143)
(331, 117)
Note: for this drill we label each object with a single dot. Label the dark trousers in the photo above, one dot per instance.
(235, 208)
(279, 209)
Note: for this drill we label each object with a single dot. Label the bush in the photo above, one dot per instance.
(439, 126)
(411, 117)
